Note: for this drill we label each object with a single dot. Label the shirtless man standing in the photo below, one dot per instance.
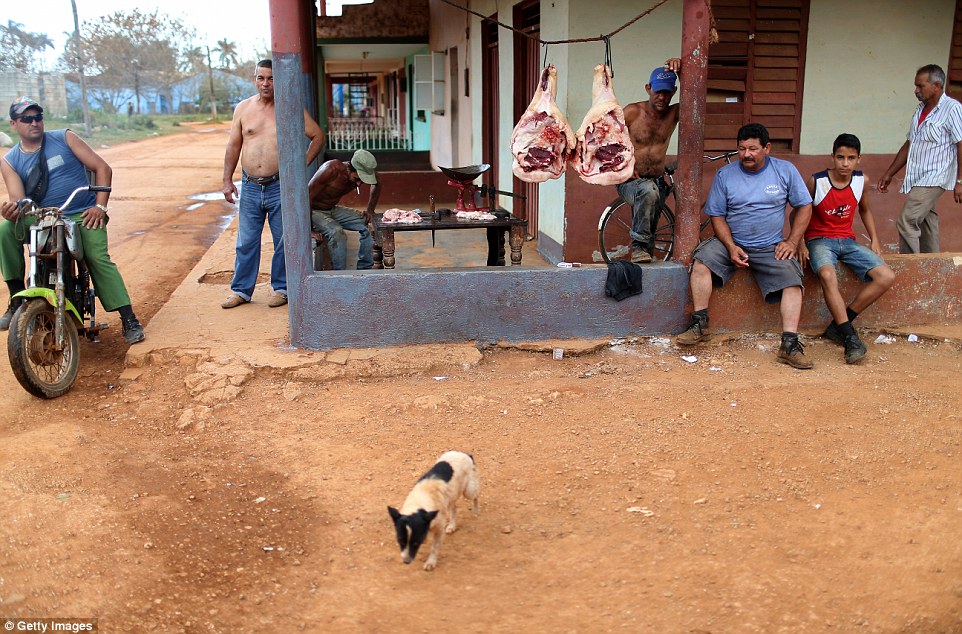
(254, 129)
(331, 182)
(651, 124)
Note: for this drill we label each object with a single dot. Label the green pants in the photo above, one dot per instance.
(108, 284)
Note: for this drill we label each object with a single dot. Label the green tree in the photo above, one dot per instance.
(138, 52)
(21, 50)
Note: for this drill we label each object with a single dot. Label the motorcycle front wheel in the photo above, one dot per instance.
(39, 366)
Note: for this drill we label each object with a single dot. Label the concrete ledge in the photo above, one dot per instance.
(388, 308)
(927, 289)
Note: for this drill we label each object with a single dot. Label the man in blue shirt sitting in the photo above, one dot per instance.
(747, 209)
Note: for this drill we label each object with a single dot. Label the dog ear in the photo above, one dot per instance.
(393, 512)
(428, 515)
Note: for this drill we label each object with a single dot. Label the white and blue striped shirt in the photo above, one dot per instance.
(933, 150)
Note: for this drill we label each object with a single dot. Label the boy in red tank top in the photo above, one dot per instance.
(836, 194)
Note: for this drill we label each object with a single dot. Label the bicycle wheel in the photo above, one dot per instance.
(614, 232)
(664, 235)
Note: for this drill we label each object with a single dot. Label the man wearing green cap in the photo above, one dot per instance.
(329, 184)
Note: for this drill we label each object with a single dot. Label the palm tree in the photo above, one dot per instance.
(227, 52)
(196, 60)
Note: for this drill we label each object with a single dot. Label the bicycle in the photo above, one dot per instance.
(614, 225)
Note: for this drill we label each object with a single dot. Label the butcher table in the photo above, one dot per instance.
(495, 229)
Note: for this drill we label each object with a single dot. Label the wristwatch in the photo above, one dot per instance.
(102, 208)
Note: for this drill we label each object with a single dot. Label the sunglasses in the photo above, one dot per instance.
(31, 118)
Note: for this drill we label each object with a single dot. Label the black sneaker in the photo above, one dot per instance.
(854, 349)
(833, 334)
(7, 317)
(792, 353)
(133, 331)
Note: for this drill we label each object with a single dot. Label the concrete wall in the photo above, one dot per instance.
(48, 89)
(862, 58)
(351, 309)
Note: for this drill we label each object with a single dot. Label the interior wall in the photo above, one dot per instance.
(860, 68)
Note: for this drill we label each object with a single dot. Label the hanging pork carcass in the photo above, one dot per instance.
(604, 154)
(542, 142)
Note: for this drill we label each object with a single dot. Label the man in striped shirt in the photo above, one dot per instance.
(931, 156)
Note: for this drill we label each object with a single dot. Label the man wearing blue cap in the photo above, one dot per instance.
(651, 124)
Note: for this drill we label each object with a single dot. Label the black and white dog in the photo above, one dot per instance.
(430, 507)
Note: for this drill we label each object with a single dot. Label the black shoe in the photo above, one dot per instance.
(833, 334)
(792, 353)
(133, 331)
(7, 317)
(854, 349)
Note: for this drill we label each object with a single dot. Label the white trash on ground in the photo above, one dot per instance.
(884, 339)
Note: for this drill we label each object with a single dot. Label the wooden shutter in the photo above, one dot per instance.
(489, 100)
(953, 73)
(755, 71)
(727, 74)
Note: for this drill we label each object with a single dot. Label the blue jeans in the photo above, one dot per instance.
(830, 251)
(645, 199)
(257, 203)
(332, 223)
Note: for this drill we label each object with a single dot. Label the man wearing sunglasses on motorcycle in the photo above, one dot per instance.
(68, 159)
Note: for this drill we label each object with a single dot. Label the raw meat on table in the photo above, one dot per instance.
(604, 154)
(542, 141)
(401, 216)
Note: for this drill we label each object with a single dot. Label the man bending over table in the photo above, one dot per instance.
(329, 184)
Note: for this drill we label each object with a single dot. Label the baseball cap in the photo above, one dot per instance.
(21, 105)
(365, 164)
(662, 79)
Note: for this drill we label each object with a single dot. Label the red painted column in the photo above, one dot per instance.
(287, 27)
(691, 128)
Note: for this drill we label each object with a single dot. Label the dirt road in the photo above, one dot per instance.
(624, 489)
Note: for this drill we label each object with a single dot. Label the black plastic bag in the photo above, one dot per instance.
(624, 280)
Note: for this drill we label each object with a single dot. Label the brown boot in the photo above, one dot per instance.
(792, 353)
(697, 332)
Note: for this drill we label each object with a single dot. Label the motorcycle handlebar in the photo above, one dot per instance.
(29, 207)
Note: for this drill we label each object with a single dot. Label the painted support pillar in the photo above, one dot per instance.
(691, 127)
(289, 48)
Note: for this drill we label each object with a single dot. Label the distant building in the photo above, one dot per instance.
(187, 96)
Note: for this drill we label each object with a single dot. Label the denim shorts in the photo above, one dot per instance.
(770, 275)
(830, 251)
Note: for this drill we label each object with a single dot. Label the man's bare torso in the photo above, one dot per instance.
(259, 132)
(329, 184)
(650, 133)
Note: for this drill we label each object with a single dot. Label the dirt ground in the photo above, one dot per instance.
(623, 488)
